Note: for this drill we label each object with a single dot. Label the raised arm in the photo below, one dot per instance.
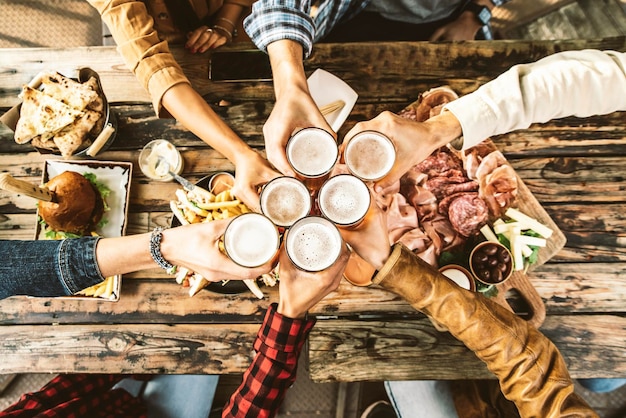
(151, 61)
(52, 268)
(572, 83)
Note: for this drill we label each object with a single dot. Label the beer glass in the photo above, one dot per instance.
(285, 200)
(312, 153)
(370, 155)
(313, 243)
(344, 200)
(251, 240)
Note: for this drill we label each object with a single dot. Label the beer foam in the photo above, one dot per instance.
(285, 200)
(251, 240)
(312, 152)
(344, 199)
(370, 155)
(313, 244)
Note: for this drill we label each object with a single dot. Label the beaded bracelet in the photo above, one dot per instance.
(155, 251)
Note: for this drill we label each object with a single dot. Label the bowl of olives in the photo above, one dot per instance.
(491, 263)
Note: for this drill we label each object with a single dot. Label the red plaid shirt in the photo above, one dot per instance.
(265, 383)
(78, 395)
(278, 345)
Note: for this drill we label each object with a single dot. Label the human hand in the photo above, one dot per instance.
(294, 108)
(205, 38)
(464, 28)
(291, 113)
(251, 172)
(370, 239)
(414, 141)
(196, 247)
(300, 290)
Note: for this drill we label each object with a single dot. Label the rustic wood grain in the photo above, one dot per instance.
(408, 350)
(160, 348)
(573, 167)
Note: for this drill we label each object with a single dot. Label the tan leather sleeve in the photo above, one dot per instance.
(145, 54)
(529, 367)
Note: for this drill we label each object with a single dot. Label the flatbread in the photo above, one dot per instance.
(41, 114)
(70, 138)
(70, 92)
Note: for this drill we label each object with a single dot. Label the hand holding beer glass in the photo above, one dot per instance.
(313, 244)
(300, 290)
(369, 155)
(251, 240)
(285, 200)
(312, 153)
(344, 200)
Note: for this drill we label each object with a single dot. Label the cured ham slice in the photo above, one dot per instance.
(401, 217)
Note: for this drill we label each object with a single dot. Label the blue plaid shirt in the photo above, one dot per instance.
(273, 20)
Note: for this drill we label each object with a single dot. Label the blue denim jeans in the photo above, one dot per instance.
(602, 385)
(48, 267)
(174, 396)
(421, 398)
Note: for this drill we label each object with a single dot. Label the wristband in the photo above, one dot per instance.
(227, 21)
(225, 31)
(155, 251)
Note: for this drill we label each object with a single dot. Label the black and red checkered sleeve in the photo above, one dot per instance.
(273, 370)
(77, 395)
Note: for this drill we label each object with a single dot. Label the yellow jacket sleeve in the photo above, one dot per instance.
(146, 55)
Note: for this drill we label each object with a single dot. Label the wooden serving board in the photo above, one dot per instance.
(517, 293)
(519, 283)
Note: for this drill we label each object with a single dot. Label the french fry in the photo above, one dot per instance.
(219, 204)
(108, 291)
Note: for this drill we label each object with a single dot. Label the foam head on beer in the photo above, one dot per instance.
(251, 240)
(285, 200)
(312, 152)
(344, 199)
(313, 243)
(370, 155)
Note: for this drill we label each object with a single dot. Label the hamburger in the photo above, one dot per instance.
(77, 206)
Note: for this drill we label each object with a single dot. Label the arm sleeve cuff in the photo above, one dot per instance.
(280, 336)
(272, 21)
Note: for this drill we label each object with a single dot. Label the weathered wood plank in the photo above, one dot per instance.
(193, 349)
(408, 350)
(377, 76)
(153, 297)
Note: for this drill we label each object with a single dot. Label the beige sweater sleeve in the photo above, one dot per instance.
(571, 83)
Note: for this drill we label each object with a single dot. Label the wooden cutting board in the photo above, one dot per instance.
(517, 294)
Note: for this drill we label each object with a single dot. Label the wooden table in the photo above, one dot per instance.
(575, 168)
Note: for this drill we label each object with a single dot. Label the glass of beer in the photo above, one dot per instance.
(251, 240)
(285, 200)
(313, 243)
(344, 200)
(312, 153)
(370, 155)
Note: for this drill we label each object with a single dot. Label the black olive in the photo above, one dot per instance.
(493, 262)
(490, 249)
(496, 275)
(484, 274)
(504, 256)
